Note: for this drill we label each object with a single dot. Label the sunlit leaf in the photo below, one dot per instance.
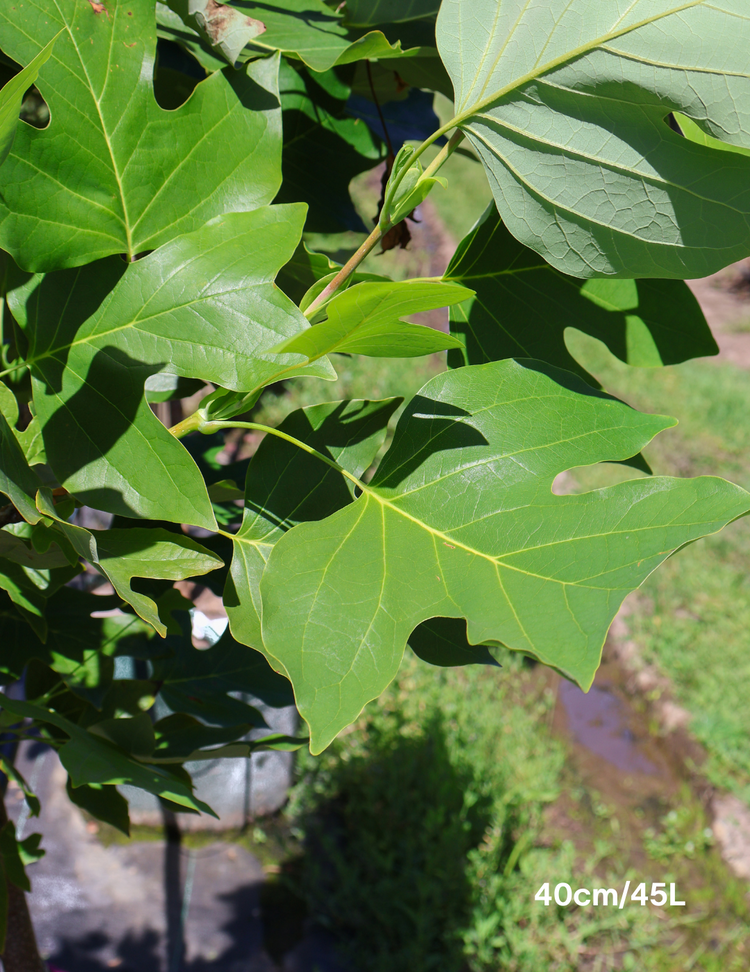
(460, 521)
(78, 190)
(203, 306)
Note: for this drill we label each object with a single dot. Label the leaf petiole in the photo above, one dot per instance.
(210, 427)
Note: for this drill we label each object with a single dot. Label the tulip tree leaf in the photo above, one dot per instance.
(460, 521)
(566, 103)
(314, 33)
(523, 306)
(90, 759)
(367, 319)
(206, 306)
(286, 485)
(136, 552)
(17, 480)
(77, 190)
(72, 634)
(11, 98)
(105, 803)
(224, 27)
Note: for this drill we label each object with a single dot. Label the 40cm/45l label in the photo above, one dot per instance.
(564, 895)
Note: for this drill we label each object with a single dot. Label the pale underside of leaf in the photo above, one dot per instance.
(566, 104)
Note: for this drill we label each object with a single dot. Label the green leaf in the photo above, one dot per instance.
(11, 98)
(324, 148)
(179, 735)
(566, 103)
(15, 854)
(304, 270)
(225, 28)
(19, 551)
(113, 172)
(443, 642)
(204, 305)
(460, 521)
(25, 594)
(71, 636)
(17, 480)
(523, 306)
(696, 134)
(369, 13)
(202, 683)
(92, 760)
(367, 319)
(182, 738)
(311, 31)
(170, 26)
(32, 800)
(286, 485)
(411, 191)
(136, 552)
(134, 735)
(103, 802)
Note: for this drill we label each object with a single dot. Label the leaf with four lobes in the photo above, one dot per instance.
(114, 172)
(566, 103)
(523, 306)
(11, 98)
(460, 521)
(93, 760)
(137, 552)
(286, 485)
(367, 319)
(203, 306)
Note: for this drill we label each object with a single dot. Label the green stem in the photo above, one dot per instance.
(210, 427)
(346, 271)
(445, 152)
(354, 261)
(191, 424)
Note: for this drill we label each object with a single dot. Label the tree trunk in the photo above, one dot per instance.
(21, 953)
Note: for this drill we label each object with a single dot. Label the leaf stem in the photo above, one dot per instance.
(210, 427)
(346, 271)
(374, 238)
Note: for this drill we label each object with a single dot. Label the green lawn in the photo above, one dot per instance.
(694, 619)
(424, 833)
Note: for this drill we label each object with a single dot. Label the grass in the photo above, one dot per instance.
(426, 831)
(694, 613)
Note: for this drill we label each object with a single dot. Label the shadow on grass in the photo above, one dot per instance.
(386, 845)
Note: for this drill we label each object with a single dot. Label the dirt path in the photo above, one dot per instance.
(725, 300)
